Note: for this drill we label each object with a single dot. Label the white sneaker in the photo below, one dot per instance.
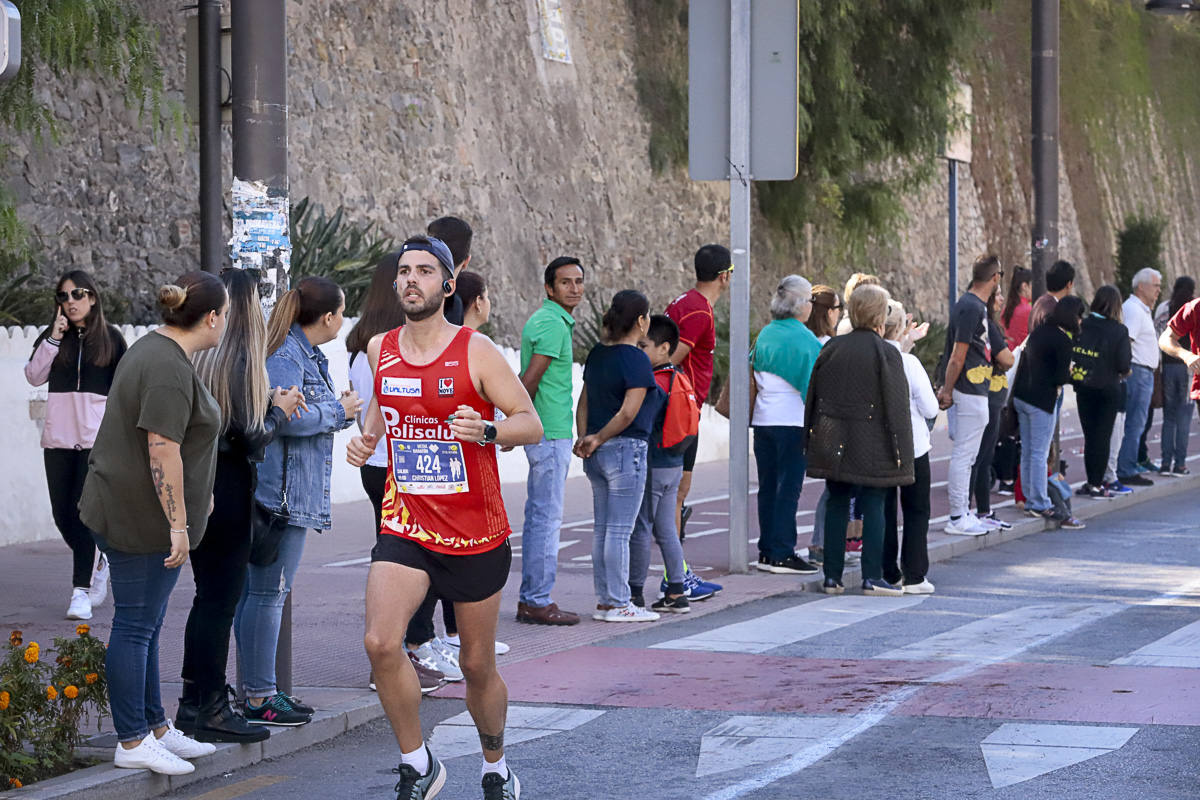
(81, 605)
(99, 588)
(629, 613)
(924, 587)
(152, 756)
(183, 746)
(966, 525)
(455, 644)
(439, 656)
(502, 648)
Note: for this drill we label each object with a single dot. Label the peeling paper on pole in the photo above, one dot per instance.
(260, 238)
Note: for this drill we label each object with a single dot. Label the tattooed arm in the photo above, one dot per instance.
(166, 470)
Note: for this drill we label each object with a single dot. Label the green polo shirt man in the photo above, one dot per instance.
(547, 367)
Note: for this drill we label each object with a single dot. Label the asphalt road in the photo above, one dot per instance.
(1061, 665)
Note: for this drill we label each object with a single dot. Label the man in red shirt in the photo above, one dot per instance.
(692, 311)
(1185, 325)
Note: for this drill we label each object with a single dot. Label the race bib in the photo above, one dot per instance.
(428, 467)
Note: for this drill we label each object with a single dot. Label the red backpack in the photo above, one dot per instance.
(681, 416)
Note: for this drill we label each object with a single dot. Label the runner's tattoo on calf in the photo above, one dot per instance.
(491, 742)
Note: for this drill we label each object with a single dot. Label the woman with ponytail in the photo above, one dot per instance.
(293, 484)
(147, 499)
(614, 418)
(77, 355)
(236, 374)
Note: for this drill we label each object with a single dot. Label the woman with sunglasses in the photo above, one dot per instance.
(77, 354)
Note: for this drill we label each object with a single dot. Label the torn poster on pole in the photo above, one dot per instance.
(554, 31)
(260, 238)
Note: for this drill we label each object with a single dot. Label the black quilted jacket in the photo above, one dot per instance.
(859, 428)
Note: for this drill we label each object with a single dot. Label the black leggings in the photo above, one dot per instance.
(420, 627)
(914, 551)
(981, 471)
(65, 473)
(1097, 415)
(219, 565)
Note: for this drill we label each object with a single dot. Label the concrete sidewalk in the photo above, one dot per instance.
(330, 666)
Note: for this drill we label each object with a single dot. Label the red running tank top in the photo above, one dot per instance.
(441, 492)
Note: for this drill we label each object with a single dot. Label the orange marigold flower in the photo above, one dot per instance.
(51, 693)
(71, 691)
(15, 639)
(32, 652)
(16, 784)
(91, 678)
(5, 697)
(82, 629)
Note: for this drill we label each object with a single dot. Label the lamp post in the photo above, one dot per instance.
(1045, 139)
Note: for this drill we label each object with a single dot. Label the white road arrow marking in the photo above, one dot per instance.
(457, 736)
(1017, 752)
(744, 742)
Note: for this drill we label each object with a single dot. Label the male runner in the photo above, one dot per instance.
(437, 387)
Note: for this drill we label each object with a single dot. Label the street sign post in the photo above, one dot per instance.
(957, 148)
(743, 124)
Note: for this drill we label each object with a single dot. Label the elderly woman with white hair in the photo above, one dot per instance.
(783, 360)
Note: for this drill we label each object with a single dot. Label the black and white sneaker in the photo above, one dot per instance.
(881, 588)
(791, 565)
(830, 586)
(1005, 488)
(496, 787)
(675, 605)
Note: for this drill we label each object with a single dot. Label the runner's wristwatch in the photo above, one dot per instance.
(489, 433)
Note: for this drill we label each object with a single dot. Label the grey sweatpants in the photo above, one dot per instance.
(657, 518)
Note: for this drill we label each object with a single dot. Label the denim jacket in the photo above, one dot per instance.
(309, 438)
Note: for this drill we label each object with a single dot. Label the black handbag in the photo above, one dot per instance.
(267, 526)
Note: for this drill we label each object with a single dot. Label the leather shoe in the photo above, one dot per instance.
(545, 615)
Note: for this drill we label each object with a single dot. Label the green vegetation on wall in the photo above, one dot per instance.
(1139, 245)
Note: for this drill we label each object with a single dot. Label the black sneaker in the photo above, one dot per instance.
(217, 721)
(275, 710)
(1180, 471)
(881, 588)
(1097, 492)
(1135, 480)
(415, 786)
(830, 586)
(302, 707)
(1005, 488)
(497, 788)
(675, 605)
(791, 565)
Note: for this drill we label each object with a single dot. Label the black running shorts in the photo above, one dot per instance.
(458, 579)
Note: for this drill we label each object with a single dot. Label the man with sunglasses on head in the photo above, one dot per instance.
(438, 387)
(692, 311)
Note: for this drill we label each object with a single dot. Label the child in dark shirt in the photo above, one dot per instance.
(657, 515)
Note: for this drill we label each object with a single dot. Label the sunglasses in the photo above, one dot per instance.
(75, 294)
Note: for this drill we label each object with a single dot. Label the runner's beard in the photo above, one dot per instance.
(431, 306)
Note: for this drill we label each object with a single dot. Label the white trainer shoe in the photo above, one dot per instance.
(81, 605)
(99, 588)
(924, 587)
(183, 746)
(455, 645)
(966, 525)
(152, 756)
(439, 656)
(629, 613)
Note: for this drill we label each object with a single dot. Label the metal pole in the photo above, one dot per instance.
(260, 112)
(739, 301)
(953, 198)
(1045, 139)
(210, 135)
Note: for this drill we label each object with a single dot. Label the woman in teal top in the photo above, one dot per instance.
(783, 361)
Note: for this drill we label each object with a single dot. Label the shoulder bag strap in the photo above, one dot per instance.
(283, 508)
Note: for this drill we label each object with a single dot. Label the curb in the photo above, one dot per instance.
(104, 782)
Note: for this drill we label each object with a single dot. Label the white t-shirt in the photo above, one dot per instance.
(922, 402)
(1142, 335)
(778, 402)
(363, 382)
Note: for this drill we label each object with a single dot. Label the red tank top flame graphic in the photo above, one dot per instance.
(442, 493)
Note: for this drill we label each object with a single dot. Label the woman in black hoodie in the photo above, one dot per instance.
(1102, 358)
(235, 373)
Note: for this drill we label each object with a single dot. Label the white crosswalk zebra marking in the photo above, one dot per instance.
(1179, 648)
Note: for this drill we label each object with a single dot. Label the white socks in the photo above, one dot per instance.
(418, 759)
(453, 641)
(500, 767)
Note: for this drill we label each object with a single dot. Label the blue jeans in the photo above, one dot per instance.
(779, 451)
(549, 461)
(1138, 388)
(656, 520)
(617, 471)
(1037, 431)
(260, 612)
(141, 586)
(1177, 414)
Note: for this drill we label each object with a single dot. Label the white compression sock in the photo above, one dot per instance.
(454, 641)
(418, 759)
(500, 767)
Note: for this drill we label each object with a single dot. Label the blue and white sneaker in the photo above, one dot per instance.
(698, 589)
(1116, 487)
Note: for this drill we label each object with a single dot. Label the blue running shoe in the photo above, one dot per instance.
(698, 589)
(1116, 487)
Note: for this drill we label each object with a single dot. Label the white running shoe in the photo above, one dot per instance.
(152, 756)
(966, 525)
(99, 588)
(440, 658)
(629, 613)
(455, 644)
(924, 587)
(183, 746)
(501, 648)
(81, 605)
